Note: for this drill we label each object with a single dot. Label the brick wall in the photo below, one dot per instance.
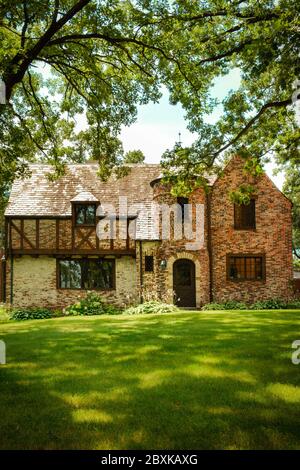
(34, 283)
(272, 236)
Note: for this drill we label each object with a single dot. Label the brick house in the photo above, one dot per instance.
(73, 235)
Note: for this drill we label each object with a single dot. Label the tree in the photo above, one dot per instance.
(262, 40)
(292, 190)
(103, 58)
(134, 156)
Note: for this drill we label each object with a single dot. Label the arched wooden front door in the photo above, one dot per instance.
(184, 283)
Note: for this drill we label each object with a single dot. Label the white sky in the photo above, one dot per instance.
(158, 125)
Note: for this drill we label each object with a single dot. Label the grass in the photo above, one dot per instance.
(217, 380)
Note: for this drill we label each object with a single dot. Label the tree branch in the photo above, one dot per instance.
(263, 109)
(22, 61)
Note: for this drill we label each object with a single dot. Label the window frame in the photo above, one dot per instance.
(244, 227)
(86, 261)
(246, 255)
(84, 204)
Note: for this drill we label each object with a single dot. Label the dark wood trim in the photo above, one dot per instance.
(33, 217)
(22, 235)
(57, 234)
(111, 233)
(46, 251)
(246, 255)
(127, 235)
(37, 233)
(85, 237)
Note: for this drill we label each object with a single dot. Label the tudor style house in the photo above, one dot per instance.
(55, 251)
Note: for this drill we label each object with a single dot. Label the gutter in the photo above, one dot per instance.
(141, 271)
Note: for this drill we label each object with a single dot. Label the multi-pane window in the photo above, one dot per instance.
(85, 214)
(149, 263)
(244, 216)
(86, 274)
(246, 268)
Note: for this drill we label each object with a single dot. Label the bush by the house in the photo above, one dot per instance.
(271, 304)
(228, 305)
(92, 304)
(31, 314)
(152, 307)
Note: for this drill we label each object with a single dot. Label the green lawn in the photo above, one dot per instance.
(199, 380)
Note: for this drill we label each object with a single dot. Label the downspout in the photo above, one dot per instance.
(3, 261)
(209, 243)
(11, 278)
(141, 271)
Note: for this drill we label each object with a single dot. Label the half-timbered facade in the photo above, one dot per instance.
(77, 234)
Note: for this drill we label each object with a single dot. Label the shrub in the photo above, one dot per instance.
(271, 304)
(30, 314)
(152, 307)
(92, 304)
(228, 305)
(293, 304)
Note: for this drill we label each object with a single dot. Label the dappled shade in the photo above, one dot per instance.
(188, 380)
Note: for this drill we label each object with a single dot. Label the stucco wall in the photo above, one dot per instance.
(34, 282)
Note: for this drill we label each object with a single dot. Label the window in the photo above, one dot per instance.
(182, 201)
(85, 214)
(244, 216)
(246, 267)
(149, 264)
(86, 274)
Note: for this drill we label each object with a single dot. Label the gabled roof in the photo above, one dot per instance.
(38, 196)
(84, 196)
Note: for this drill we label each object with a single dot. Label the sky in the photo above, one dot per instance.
(158, 125)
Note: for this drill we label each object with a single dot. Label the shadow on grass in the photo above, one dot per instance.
(190, 380)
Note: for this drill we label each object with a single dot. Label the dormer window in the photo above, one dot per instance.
(85, 214)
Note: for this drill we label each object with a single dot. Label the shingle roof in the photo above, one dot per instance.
(84, 196)
(39, 196)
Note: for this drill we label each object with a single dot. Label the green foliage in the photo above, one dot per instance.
(268, 304)
(242, 195)
(228, 305)
(31, 314)
(296, 264)
(151, 307)
(92, 304)
(134, 156)
(271, 304)
(292, 190)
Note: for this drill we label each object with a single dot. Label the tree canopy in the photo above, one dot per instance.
(134, 156)
(60, 59)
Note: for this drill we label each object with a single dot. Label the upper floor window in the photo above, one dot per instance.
(244, 216)
(183, 209)
(246, 267)
(85, 214)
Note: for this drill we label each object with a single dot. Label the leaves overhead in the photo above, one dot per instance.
(61, 59)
